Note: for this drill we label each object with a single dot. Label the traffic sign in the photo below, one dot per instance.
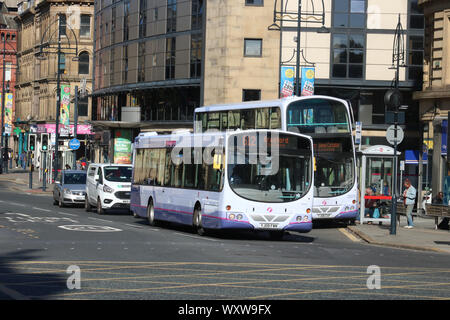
(74, 144)
(390, 134)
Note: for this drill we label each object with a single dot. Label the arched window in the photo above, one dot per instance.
(83, 63)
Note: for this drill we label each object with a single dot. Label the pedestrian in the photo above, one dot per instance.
(17, 159)
(409, 197)
(439, 199)
(78, 164)
(23, 161)
(67, 167)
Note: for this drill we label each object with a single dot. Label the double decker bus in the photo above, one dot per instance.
(327, 120)
(256, 180)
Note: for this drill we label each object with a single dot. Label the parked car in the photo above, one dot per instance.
(108, 186)
(70, 188)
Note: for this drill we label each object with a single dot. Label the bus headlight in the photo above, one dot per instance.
(231, 216)
(239, 216)
(305, 219)
(299, 218)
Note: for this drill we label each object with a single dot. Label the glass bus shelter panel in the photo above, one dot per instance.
(379, 187)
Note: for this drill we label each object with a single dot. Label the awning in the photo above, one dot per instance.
(412, 157)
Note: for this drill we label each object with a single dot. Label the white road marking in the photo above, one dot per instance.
(46, 210)
(194, 237)
(68, 214)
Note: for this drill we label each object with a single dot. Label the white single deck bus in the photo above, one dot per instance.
(327, 120)
(257, 180)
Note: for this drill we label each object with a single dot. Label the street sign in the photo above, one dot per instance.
(74, 144)
(358, 132)
(390, 135)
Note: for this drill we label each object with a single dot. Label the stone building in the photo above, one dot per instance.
(434, 96)
(37, 74)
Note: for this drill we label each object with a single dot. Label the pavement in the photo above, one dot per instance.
(19, 180)
(423, 236)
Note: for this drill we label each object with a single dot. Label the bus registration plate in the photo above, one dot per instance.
(268, 225)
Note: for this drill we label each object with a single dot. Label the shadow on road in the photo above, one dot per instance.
(232, 234)
(23, 277)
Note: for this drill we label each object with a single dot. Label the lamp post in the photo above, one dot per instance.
(289, 16)
(46, 43)
(395, 101)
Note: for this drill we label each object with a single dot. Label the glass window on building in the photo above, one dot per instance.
(83, 63)
(170, 57)
(196, 55)
(416, 18)
(348, 55)
(254, 2)
(171, 16)
(62, 63)
(83, 107)
(415, 57)
(62, 24)
(126, 13)
(142, 18)
(251, 94)
(125, 65)
(141, 62)
(85, 25)
(197, 14)
(349, 14)
(252, 47)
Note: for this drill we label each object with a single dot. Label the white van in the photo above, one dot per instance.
(108, 186)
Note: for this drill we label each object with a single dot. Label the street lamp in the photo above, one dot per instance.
(393, 98)
(47, 46)
(313, 16)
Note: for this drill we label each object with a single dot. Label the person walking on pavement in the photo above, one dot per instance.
(409, 197)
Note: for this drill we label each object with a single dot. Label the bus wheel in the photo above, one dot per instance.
(276, 235)
(197, 221)
(151, 214)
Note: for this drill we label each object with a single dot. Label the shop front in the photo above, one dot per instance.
(377, 183)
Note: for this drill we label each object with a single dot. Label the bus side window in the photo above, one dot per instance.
(223, 121)
(234, 119)
(275, 118)
(262, 118)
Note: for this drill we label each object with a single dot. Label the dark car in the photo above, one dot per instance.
(70, 188)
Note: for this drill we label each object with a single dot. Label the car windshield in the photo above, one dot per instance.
(118, 174)
(276, 174)
(75, 178)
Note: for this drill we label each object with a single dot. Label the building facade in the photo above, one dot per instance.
(8, 45)
(434, 96)
(163, 58)
(36, 98)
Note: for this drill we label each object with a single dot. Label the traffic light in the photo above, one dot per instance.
(393, 99)
(31, 142)
(44, 142)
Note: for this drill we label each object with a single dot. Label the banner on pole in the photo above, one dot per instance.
(308, 75)
(287, 82)
(64, 117)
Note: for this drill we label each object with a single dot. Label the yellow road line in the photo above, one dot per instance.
(348, 235)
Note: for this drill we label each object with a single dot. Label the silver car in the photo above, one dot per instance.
(70, 188)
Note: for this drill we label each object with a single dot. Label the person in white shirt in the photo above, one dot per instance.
(409, 197)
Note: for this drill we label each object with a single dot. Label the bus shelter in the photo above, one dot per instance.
(377, 183)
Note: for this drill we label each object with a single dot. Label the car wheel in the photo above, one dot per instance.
(61, 202)
(87, 205)
(100, 209)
